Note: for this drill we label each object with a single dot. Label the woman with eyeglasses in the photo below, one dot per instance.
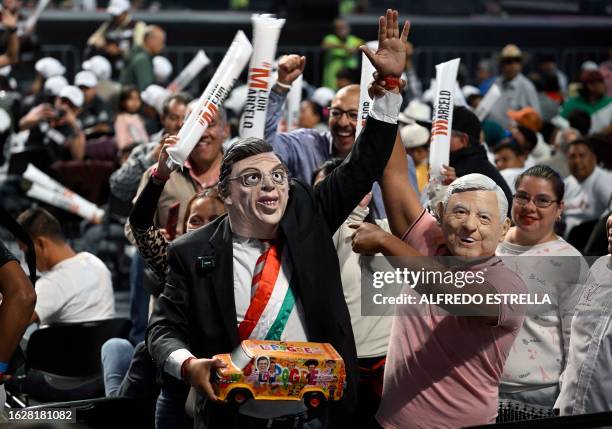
(548, 265)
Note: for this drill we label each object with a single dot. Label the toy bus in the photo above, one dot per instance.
(277, 370)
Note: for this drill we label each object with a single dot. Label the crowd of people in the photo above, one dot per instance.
(272, 238)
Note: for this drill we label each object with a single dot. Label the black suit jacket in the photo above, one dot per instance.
(197, 311)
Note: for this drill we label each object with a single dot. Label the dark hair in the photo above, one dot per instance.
(510, 144)
(584, 142)
(327, 167)
(262, 358)
(351, 74)
(125, 93)
(211, 193)
(544, 172)
(240, 150)
(179, 97)
(580, 120)
(38, 222)
(531, 137)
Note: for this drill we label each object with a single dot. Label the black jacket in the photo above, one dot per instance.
(196, 311)
(473, 159)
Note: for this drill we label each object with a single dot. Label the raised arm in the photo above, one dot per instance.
(402, 203)
(290, 67)
(342, 190)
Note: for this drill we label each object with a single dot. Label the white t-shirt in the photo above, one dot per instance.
(587, 200)
(371, 332)
(77, 289)
(539, 353)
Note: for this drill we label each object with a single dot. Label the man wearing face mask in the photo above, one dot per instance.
(216, 296)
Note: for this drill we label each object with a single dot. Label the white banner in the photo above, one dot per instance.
(212, 98)
(266, 30)
(442, 121)
(195, 66)
(487, 102)
(292, 105)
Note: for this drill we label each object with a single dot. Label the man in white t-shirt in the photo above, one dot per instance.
(74, 287)
(588, 190)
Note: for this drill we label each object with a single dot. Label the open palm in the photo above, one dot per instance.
(390, 57)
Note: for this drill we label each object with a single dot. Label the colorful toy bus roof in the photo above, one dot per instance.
(290, 349)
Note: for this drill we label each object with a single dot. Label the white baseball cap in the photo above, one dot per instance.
(55, 84)
(49, 67)
(86, 78)
(99, 66)
(414, 135)
(469, 90)
(323, 96)
(162, 68)
(117, 7)
(155, 96)
(74, 94)
(415, 111)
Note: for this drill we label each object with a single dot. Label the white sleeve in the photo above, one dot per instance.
(387, 107)
(49, 300)
(175, 361)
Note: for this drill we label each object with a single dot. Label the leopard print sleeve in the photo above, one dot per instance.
(152, 246)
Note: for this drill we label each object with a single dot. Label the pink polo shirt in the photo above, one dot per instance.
(443, 371)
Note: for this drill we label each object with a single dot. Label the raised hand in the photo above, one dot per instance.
(390, 58)
(290, 67)
(162, 163)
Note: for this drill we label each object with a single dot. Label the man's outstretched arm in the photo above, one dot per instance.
(341, 191)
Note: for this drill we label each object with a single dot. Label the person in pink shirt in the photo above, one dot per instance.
(445, 361)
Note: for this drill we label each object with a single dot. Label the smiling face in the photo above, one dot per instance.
(533, 221)
(471, 224)
(343, 119)
(255, 211)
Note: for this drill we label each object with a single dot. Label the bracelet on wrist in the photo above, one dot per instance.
(283, 85)
(157, 176)
(184, 368)
(391, 82)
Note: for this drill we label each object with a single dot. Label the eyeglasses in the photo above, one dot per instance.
(540, 201)
(336, 113)
(254, 178)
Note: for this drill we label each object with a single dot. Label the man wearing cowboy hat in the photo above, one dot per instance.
(517, 91)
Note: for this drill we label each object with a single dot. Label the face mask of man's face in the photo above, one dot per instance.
(259, 191)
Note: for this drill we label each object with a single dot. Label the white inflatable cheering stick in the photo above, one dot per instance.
(212, 98)
(442, 121)
(195, 66)
(367, 77)
(266, 30)
(45, 189)
(292, 106)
